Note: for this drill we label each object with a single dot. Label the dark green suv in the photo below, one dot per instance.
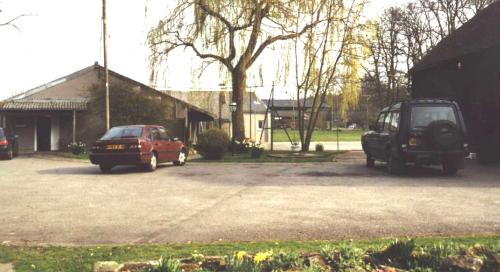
(420, 132)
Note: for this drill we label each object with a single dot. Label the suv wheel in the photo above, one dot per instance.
(450, 167)
(105, 168)
(394, 166)
(370, 162)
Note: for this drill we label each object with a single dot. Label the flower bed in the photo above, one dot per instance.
(398, 256)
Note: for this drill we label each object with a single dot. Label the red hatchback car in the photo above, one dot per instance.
(142, 145)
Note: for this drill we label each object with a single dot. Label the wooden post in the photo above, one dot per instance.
(187, 127)
(74, 126)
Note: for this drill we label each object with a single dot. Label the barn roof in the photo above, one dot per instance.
(479, 33)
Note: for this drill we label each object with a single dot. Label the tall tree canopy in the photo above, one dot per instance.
(233, 33)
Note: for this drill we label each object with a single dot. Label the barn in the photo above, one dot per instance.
(465, 67)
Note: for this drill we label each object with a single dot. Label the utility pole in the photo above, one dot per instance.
(272, 118)
(106, 73)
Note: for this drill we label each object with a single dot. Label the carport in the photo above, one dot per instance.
(40, 124)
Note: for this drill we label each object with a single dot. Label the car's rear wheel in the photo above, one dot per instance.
(153, 163)
(181, 160)
(105, 168)
(394, 166)
(450, 167)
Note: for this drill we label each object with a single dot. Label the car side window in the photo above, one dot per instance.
(394, 127)
(154, 134)
(387, 121)
(163, 134)
(380, 122)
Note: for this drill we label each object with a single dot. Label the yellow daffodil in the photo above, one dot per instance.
(262, 256)
(240, 255)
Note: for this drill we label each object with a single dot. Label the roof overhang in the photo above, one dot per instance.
(44, 105)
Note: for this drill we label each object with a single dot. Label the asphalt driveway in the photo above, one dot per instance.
(66, 202)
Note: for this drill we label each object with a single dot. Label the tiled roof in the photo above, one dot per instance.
(44, 105)
(481, 32)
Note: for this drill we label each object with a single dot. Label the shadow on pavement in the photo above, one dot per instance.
(94, 170)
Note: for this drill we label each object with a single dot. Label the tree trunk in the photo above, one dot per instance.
(239, 81)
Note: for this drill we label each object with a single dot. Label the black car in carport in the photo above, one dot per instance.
(9, 147)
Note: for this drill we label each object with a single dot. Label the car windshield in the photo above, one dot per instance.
(122, 132)
(2, 135)
(422, 116)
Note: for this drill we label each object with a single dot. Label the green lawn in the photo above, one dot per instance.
(50, 258)
(268, 156)
(345, 135)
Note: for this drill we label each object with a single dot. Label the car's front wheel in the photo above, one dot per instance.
(10, 155)
(370, 162)
(394, 166)
(181, 160)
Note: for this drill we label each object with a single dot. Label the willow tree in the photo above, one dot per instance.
(327, 61)
(232, 33)
(11, 21)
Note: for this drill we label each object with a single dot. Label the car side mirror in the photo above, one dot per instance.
(372, 127)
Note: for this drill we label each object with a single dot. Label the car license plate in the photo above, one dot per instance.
(115, 147)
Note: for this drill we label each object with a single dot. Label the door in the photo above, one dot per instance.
(373, 138)
(43, 131)
(171, 147)
(385, 137)
(158, 144)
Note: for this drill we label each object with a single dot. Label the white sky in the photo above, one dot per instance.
(63, 36)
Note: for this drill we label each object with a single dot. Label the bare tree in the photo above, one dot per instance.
(401, 37)
(232, 33)
(328, 61)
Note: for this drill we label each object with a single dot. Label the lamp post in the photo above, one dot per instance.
(232, 108)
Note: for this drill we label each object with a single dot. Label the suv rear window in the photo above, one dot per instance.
(2, 135)
(422, 116)
(122, 132)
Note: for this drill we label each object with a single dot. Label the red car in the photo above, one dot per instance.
(9, 147)
(142, 145)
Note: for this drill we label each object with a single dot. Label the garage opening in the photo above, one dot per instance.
(43, 131)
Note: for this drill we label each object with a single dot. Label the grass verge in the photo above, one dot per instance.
(282, 157)
(53, 258)
(321, 135)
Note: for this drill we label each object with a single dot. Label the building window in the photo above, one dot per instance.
(261, 124)
(20, 122)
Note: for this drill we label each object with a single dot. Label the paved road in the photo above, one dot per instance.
(62, 202)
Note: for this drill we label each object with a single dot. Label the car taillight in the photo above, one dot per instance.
(4, 142)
